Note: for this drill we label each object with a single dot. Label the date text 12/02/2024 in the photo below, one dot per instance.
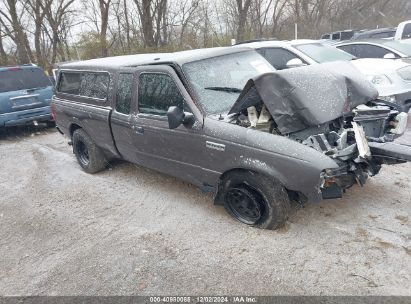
(223, 299)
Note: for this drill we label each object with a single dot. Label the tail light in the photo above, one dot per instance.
(53, 111)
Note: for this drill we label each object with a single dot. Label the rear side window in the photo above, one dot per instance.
(346, 35)
(407, 31)
(383, 35)
(370, 51)
(87, 84)
(336, 36)
(349, 49)
(15, 79)
(278, 58)
(124, 93)
(156, 93)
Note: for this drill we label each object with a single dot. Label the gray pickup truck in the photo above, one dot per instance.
(226, 121)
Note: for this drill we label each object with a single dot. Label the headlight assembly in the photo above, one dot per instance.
(405, 73)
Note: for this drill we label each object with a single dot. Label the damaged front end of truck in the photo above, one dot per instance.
(332, 109)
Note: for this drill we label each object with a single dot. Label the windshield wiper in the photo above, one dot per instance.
(224, 89)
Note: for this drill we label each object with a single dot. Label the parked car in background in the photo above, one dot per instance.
(226, 121)
(403, 31)
(25, 95)
(339, 36)
(389, 77)
(376, 48)
(381, 33)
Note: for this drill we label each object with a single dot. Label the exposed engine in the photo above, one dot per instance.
(347, 140)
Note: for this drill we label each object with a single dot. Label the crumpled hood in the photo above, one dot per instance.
(304, 97)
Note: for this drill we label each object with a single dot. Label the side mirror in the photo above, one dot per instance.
(389, 56)
(295, 62)
(176, 116)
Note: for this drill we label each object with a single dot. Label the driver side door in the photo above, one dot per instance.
(177, 152)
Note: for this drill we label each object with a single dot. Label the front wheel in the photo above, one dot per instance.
(90, 157)
(255, 199)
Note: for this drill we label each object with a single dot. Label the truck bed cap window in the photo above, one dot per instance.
(86, 84)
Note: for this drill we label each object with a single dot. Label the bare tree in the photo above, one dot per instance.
(153, 16)
(16, 32)
(242, 10)
(38, 9)
(104, 10)
(56, 16)
(3, 54)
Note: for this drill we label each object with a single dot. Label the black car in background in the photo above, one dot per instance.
(381, 33)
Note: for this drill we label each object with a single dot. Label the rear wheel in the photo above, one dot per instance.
(255, 199)
(90, 157)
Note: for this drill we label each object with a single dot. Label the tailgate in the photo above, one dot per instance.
(24, 100)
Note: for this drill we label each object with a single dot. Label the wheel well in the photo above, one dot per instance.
(73, 128)
(224, 175)
(218, 199)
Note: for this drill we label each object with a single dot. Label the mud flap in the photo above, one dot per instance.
(391, 150)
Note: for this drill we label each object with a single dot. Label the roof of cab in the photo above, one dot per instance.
(178, 58)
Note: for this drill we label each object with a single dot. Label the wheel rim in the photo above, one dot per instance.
(244, 205)
(82, 153)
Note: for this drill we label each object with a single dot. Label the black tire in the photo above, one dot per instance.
(90, 157)
(255, 199)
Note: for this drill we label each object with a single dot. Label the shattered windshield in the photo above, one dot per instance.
(322, 53)
(218, 81)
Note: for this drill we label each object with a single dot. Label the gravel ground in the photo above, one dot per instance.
(132, 231)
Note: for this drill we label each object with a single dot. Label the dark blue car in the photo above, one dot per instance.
(25, 95)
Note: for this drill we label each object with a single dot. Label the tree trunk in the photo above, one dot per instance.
(242, 18)
(20, 37)
(144, 9)
(3, 55)
(104, 10)
(127, 29)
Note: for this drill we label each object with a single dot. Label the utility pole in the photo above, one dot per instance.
(296, 31)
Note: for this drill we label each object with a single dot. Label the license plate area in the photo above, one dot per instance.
(24, 102)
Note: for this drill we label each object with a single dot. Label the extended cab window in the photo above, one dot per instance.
(87, 84)
(156, 93)
(124, 93)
